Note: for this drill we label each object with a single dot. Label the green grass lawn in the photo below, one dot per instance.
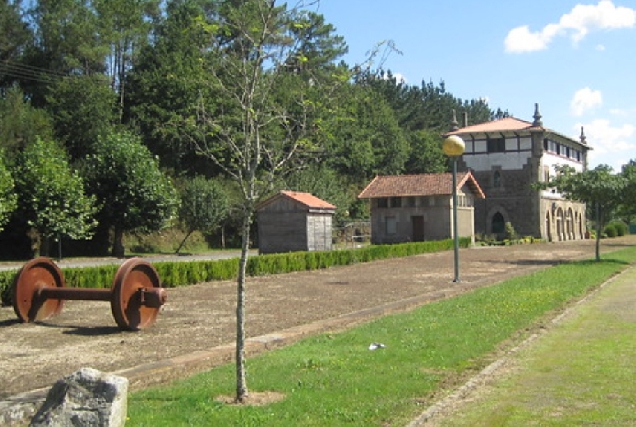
(335, 380)
(581, 373)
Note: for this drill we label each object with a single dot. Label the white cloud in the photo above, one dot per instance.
(624, 112)
(611, 145)
(520, 39)
(399, 78)
(584, 99)
(581, 20)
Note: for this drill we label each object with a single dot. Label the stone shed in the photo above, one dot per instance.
(294, 221)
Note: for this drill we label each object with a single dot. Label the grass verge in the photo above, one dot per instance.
(581, 373)
(335, 380)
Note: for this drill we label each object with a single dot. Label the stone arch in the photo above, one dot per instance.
(498, 224)
(560, 232)
(569, 233)
(497, 218)
(548, 226)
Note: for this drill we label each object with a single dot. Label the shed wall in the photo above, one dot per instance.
(282, 232)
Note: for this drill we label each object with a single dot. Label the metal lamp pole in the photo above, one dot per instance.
(454, 147)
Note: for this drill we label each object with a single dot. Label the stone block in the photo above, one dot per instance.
(86, 398)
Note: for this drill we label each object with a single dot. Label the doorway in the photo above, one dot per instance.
(418, 228)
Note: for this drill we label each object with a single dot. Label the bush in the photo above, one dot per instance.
(609, 230)
(510, 232)
(621, 227)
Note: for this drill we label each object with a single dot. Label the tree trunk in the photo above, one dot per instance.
(45, 243)
(183, 241)
(598, 232)
(241, 382)
(118, 243)
(36, 242)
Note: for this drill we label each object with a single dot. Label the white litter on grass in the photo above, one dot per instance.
(376, 345)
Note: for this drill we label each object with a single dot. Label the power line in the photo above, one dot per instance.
(29, 72)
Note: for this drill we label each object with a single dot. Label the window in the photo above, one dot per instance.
(391, 225)
(410, 202)
(496, 145)
(496, 179)
(383, 203)
(396, 202)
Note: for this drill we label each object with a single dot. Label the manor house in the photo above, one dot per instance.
(507, 156)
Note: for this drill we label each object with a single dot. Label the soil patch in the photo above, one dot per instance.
(200, 317)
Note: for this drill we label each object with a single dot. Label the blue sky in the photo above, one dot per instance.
(577, 60)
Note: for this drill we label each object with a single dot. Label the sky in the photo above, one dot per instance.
(576, 59)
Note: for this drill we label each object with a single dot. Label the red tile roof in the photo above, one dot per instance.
(419, 185)
(308, 200)
(501, 125)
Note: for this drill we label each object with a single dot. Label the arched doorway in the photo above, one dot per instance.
(498, 224)
(548, 228)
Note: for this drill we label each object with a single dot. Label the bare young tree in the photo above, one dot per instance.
(274, 81)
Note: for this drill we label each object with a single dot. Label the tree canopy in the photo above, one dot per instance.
(199, 80)
(8, 197)
(132, 192)
(52, 198)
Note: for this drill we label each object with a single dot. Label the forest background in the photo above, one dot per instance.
(120, 117)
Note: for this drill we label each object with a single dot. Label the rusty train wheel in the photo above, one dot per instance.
(128, 310)
(36, 274)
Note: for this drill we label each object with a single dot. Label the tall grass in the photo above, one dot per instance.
(335, 380)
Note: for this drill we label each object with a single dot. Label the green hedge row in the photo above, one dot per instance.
(175, 274)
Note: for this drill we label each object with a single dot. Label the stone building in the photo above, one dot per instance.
(415, 208)
(294, 221)
(507, 156)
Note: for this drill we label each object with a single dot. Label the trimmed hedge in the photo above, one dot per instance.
(181, 273)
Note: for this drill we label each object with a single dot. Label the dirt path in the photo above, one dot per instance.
(200, 317)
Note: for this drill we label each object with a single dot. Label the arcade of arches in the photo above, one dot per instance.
(564, 224)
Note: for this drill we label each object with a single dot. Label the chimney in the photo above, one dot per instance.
(465, 118)
(454, 124)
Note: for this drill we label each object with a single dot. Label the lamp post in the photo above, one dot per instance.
(454, 147)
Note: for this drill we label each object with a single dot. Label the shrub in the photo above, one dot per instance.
(621, 227)
(609, 230)
(510, 232)
(180, 273)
